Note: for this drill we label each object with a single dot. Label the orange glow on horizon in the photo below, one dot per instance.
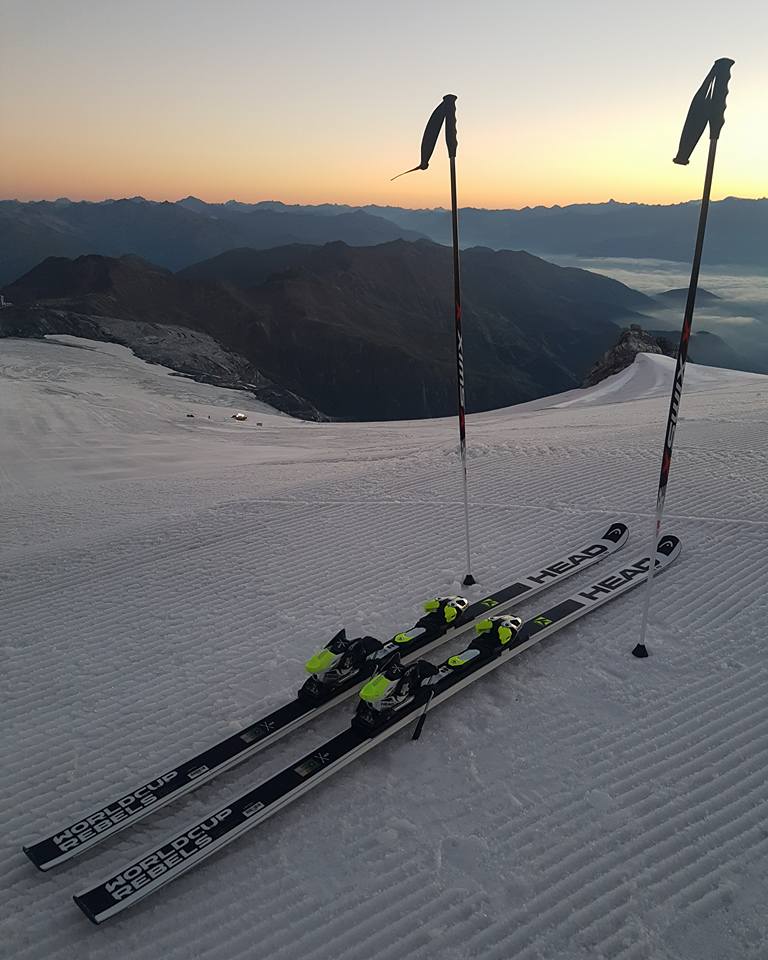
(95, 105)
(494, 172)
(482, 198)
(29, 175)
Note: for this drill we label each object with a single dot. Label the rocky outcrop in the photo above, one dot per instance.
(633, 340)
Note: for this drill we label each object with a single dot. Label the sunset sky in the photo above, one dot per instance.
(312, 101)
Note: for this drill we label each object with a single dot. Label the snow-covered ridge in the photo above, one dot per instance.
(649, 376)
(164, 577)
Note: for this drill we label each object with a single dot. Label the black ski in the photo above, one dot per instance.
(316, 696)
(501, 639)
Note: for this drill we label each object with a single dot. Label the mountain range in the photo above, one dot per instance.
(736, 229)
(176, 235)
(173, 235)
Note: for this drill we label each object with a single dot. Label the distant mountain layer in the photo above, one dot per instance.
(736, 232)
(736, 229)
(358, 332)
(680, 295)
(175, 235)
(172, 235)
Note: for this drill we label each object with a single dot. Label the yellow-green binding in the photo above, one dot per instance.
(320, 662)
(375, 689)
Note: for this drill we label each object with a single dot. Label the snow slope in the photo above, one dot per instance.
(164, 577)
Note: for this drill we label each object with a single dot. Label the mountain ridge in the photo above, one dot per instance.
(176, 234)
(359, 332)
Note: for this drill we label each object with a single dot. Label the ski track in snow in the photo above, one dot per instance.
(163, 579)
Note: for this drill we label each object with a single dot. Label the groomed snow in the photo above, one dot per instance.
(164, 577)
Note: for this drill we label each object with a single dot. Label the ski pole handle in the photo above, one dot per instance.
(722, 71)
(707, 107)
(449, 100)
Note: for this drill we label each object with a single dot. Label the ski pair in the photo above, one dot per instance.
(337, 673)
(378, 717)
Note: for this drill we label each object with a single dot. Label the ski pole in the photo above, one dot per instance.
(707, 107)
(446, 112)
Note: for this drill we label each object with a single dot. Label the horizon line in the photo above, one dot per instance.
(361, 206)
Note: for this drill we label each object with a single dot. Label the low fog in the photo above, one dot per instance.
(739, 316)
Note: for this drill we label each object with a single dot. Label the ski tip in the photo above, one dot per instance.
(468, 581)
(670, 546)
(618, 533)
(640, 651)
(84, 907)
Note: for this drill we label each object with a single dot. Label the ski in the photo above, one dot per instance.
(337, 672)
(392, 699)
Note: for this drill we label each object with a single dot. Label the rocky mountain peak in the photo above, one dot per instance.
(632, 340)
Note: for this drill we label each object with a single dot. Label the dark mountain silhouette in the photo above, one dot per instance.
(680, 295)
(246, 267)
(526, 320)
(360, 332)
(172, 235)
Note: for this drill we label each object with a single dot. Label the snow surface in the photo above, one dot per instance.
(164, 577)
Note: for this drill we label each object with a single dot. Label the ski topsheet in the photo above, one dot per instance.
(429, 633)
(188, 848)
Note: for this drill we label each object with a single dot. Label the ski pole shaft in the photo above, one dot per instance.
(468, 579)
(451, 142)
